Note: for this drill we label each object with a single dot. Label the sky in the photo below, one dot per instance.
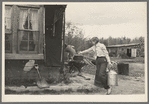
(104, 19)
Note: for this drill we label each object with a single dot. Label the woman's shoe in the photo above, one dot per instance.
(109, 91)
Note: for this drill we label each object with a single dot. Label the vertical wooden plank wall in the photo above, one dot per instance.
(15, 15)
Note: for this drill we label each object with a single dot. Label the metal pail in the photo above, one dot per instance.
(112, 78)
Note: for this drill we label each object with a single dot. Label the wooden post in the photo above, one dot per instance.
(40, 19)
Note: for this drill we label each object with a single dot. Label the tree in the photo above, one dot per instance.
(74, 36)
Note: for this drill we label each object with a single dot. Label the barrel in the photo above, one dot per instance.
(123, 68)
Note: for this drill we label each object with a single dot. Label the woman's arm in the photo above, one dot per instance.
(86, 51)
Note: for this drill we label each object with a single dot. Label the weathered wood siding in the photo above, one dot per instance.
(14, 53)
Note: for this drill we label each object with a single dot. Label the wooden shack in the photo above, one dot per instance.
(129, 49)
(34, 32)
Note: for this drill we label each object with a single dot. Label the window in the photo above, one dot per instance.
(28, 32)
(8, 34)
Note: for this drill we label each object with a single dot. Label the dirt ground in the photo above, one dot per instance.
(134, 83)
(126, 85)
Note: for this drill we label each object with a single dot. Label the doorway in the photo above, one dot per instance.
(129, 52)
(54, 36)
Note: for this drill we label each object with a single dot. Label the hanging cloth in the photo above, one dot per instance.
(26, 23)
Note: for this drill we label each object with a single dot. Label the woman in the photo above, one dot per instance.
(102, 60)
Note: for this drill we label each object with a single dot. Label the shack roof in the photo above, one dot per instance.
(123, 45)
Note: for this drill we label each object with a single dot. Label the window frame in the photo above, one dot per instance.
(28, 30)
(9, 31)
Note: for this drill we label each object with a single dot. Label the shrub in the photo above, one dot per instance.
(123, 55)
(112, 54)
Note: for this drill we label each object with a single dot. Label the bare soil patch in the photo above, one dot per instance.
(134, 83)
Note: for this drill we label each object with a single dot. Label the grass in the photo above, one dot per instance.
(134, 60)
(136, 68)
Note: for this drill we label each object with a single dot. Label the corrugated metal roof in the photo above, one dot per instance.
(123, 45)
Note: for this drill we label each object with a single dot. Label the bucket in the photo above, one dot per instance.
(112, 78)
